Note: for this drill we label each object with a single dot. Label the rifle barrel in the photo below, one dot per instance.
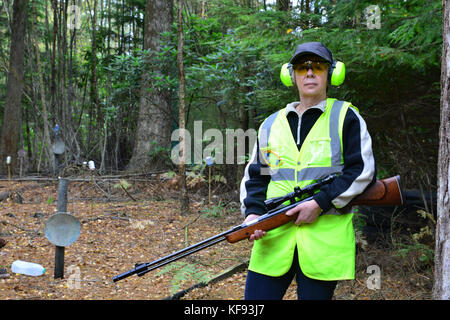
(143, 268)
(167, 261)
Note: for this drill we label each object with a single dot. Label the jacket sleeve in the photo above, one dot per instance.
(359, 165)
(254, 185)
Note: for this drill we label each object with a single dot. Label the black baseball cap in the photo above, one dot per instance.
(316, 48)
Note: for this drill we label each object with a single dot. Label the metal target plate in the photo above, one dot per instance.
(62, 229)
(58, 147)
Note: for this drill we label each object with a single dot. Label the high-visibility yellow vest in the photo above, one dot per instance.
(326, 247)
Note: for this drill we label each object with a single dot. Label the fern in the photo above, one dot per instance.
(185, 272)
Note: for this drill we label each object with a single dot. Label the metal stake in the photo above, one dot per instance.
(62, 208)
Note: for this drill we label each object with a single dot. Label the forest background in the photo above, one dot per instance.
(102, 77)
(93, 82)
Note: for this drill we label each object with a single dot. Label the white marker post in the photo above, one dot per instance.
(92, 168)
(8, 163)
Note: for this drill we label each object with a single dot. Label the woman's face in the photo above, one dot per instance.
(311, 77)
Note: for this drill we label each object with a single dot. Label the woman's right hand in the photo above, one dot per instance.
(258, 234)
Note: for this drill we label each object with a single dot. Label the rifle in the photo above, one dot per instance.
(382, 193)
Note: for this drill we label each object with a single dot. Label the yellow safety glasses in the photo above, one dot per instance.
(318, 67)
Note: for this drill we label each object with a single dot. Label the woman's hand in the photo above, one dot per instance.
(258, 234)
(307, 212)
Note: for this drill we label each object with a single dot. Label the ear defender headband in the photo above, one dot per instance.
(336, 74)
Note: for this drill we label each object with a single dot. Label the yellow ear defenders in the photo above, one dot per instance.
(336, 74)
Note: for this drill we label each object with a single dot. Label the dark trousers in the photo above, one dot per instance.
(262, 287)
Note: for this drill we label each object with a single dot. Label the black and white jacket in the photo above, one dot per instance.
(359, 164)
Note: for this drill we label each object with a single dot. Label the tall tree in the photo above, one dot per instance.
(154, 123)
(441, 289)
(182, 116)
(12, 118)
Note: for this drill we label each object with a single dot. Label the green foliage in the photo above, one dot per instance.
(241, 73)
(419, 255)
(184, 272)
(50, 200)
(215, 211)
(419, 250)
(168, 175)
(124, 75)
(160, 156)
(124, 184)
(359, 219)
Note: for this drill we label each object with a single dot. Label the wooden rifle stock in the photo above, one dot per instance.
(385, 192)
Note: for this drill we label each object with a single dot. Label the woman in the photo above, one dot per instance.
(299, 144)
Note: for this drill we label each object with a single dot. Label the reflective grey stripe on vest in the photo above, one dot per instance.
(316, 173)
(264, 134)
(282, 174)
(265, 130)
(334, 133)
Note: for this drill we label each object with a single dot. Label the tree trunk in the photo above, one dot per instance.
(182, 117)
(12, 118)
(53, 82)
(154, 122)
(46, 147)
(441, 289)
(95, 118)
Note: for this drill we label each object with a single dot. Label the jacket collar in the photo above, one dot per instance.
(290, 107)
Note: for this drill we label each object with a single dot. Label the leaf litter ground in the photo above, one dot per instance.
(117, 232)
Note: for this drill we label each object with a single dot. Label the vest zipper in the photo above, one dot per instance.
(298, 143)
